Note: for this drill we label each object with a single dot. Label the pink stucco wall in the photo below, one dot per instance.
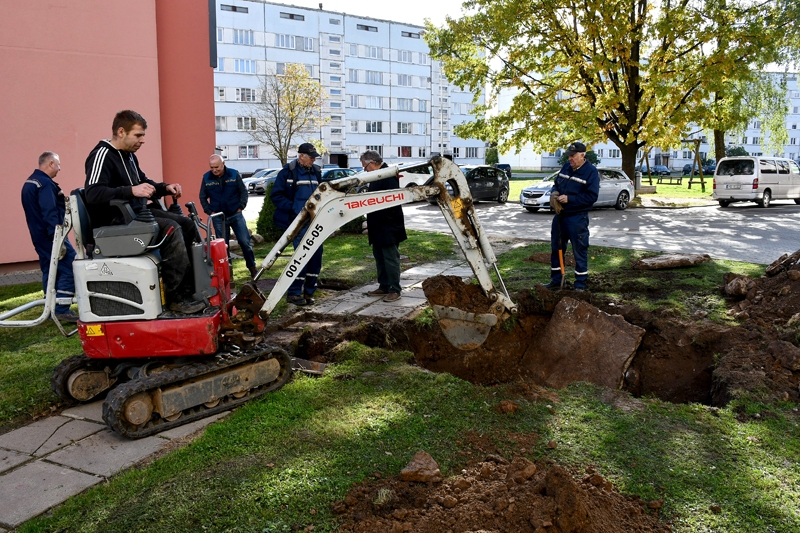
(68, 67)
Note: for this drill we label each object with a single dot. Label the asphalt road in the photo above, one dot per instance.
(742, 232)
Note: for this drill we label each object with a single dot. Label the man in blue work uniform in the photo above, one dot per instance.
(574, 191)
(293, 186)
(44, 207)
(223, 191)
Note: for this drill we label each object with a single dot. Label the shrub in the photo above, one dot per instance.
(265, 226)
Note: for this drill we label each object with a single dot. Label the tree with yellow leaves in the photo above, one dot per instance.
(288, 111)
(634, 73)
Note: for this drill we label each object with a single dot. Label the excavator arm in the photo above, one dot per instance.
(331, 206)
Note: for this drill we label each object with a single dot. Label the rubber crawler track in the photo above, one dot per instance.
(114, 405)
(58, 380)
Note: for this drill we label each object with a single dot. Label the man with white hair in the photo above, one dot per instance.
(223, 191)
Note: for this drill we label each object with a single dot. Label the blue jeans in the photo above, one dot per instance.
(237, 223)
(65, 282)
(306, 280)
(574, 229)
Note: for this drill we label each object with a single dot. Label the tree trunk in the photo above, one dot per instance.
(719, 144)
(629, 161)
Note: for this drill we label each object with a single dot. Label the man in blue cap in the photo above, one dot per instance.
(44, 207)
(294, 185)
(574, 192)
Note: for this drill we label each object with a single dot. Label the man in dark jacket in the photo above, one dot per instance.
(43, 203)
(575, 191)
(113, 172)
(293, 186)
(386, 229)
(223, 191)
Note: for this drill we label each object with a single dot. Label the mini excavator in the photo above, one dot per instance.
(160, 370)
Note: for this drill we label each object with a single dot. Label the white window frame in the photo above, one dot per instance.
(283, 40)
(243, 37)
(353, 126)
(374, 77)
(404, 128)
(244, 66)
(405, 104)
(308, 44)
(245, 94)
(334, 39)
(373, 102)
(404, 56)
(245, 123)
(471, 151)
(250, 151)
(374, 126)
(404, 80)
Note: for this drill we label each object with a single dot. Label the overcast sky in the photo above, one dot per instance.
(410, 11)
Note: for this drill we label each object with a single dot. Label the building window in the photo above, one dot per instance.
(336, 105)
(233, 9)
(378, 149)
(220, 65)
(423, 105)
(243, 37)
(404, 104)
(245, 95)
(220, 123)
(219, 94)
(756, 124)
(308, 44)
(404, 127)
(374, 52)
(245, 123)
(793, 140)
(756, 140)
(336, 118)
(456, 151)
(374, 77)
(424, 59)
(422, 152)
(409, 34)
(613, 153)
(336, 131)
(244, 66)
(336, 143)
(284, 41)
(471, 152)
(373, 102)
(403, 151)
(794, 126)
(364, 27)
(353, 100)
(292, 16)
(336, 91)
(404, 56)
(219, 35)
(352, 75)
(374, 127)
(794, 110)
(336, 66)
(248, 152)
(334, 39)
(353, 126)
(599, 152)
(336, 79)
(280, 68)
(335, 22)
(404, 80)
(353, 49)
(335, 52)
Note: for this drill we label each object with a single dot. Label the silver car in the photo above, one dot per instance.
(615, 189)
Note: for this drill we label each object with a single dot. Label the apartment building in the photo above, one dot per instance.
(383, 92)
(754, 139)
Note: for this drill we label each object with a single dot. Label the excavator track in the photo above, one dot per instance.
(60, 377)
(117, 406)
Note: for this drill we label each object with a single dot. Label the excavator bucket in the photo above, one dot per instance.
(462, 329)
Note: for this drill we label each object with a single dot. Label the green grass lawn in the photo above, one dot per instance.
(277, 463)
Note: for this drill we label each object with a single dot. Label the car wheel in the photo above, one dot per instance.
(797, 201)
(724, 203)
(766, 199)
(623, 200)
(503, 196)
(532, 209)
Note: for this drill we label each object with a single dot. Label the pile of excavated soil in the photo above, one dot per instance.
(497, 496)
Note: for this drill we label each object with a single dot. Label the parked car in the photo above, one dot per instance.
(330, 165)
(336, 173)
(615, 189)
(505, 168)
(756, 179)
(655, 170)
(708, 168)
(257, 176)
(357, 169)
(417, 176)
(259, 186)
(485, 183)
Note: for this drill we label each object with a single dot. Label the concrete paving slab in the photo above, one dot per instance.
(72, 431)
(397, 309)
(36, 487)
(460, 271)
(300, 326)
(30, 438)
(345, 304)
(106, 453)
(414, 291)
(188, 429)
(430, 269)
(9, 459)
(86, 411)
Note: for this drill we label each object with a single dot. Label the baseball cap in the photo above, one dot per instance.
(574, 148)
(307, 148)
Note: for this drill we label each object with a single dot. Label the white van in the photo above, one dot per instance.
(756, 179)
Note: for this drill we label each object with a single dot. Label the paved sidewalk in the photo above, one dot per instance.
(46, 462)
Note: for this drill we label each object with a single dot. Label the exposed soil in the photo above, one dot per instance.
(677, 360)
